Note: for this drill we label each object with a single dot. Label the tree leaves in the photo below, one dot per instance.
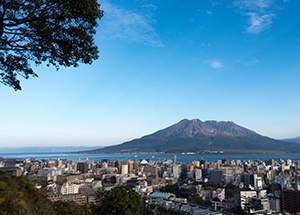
(57, 32)
(19, 196)
(119, 201)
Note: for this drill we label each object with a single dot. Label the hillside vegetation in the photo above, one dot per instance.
(19, 196)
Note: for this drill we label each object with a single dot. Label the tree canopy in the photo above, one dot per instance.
(119, 201)
(19, 196)
(55, 32)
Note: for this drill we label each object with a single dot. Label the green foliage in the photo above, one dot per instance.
(197, 200)
(231, 186)
(118, 201)
(172, 188)
(66, 208)
(159, 210)
(229, 193)
(57, 32)
(19, 196)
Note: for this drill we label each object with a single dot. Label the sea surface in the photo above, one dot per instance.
(184, 158)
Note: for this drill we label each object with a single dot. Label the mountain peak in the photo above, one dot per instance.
(196, 135)
(209, 128)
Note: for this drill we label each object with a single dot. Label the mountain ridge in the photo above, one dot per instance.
(198, 136)
(295, 140)
(209, 128)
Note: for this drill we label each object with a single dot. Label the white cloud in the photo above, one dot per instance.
(214, 3)
(259, 12)
(208, 12)
(151, 6)
(252, 62)
(253, 4)
(258, 23)
(129, 24)
(216, 64)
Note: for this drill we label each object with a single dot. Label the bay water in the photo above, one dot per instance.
(183, 158)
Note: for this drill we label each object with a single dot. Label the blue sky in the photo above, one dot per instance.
(160, 62)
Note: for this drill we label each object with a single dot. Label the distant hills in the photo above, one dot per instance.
(197, 136)
(43, 149)
(295, 140)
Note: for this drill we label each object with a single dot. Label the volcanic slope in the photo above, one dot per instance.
(197, 136)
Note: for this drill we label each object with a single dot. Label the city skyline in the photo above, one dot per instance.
(161, 62)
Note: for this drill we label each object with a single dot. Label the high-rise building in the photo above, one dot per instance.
(176, 170)
(124, 166)
(82, 167)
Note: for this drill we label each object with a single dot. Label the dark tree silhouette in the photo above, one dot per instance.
(57, 32)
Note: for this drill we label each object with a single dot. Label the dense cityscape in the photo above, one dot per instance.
(102, 75)
(199, 187)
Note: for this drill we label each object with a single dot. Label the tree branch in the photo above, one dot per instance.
(1, 26)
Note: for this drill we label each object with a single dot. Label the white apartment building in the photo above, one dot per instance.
(69, 188)
(257, 182)
(176, 170)
(124, 169)
(50, 171)
(198, 174)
